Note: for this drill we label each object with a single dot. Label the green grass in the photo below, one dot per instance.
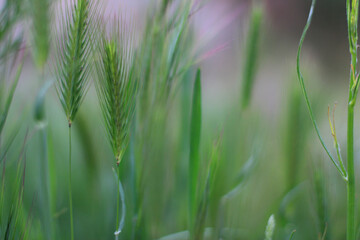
(110, 130)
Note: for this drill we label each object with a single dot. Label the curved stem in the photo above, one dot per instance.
(117, 204)
(70, 190)
(123, 208)
(352, 11)
(302, 85)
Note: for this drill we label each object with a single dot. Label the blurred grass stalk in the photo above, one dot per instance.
(321, 203)
(207, 190)
(164, 58)
(40, 118)
(352, 10)
(39, 12)
(12, 210)
(40, 32)
(10, 15)
(13, 222)
(252, 52)
(294, 138)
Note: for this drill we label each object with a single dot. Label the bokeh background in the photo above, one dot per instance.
(293, 178)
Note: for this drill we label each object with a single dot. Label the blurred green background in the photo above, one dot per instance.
(290, 175)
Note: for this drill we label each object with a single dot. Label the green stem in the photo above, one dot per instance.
(121, 197)
(117, 199)
(352, 19)
(350, 233)
(70, 191)
(352, 11)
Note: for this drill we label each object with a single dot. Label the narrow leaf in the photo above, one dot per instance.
(40, 31)
(195, 132)
(10, 96)
(252, 50)
(302, 84)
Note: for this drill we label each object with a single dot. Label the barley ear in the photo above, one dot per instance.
(74, 45)
(116, 83)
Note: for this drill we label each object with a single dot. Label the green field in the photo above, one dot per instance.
(179, 120)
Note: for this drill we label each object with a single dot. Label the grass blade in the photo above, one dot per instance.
(302, 84)
(40, 31)
(252, 51)
(194, 158)
(202, 208)
(9, 99)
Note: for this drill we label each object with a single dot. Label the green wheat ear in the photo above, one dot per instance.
(117, 83)
(74, 49)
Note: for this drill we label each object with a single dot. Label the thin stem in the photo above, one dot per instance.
(117, 199)
(70, 190)
(350, 233)
(45, 185)
(352, 11)
(133, 178)
(302, 85)
(44, 169)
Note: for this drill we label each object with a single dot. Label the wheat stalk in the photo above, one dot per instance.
(72, 64)
(116, 87)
